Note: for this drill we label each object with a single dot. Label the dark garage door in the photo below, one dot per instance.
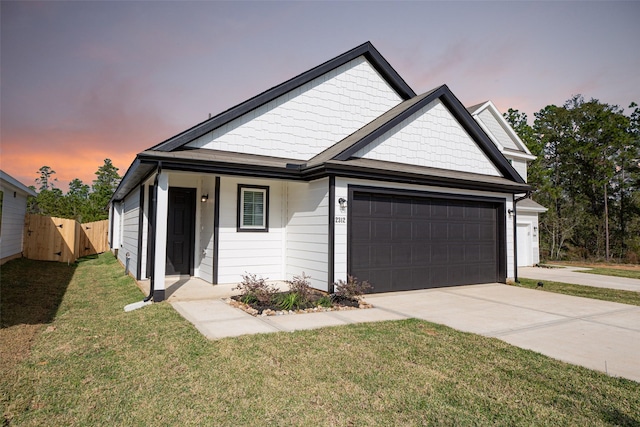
(402, 242)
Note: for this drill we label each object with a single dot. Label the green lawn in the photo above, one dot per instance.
(615, 295)
(631, 271)
(94, 364)
(632, 274)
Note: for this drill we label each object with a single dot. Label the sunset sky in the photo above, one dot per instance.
(85, 81)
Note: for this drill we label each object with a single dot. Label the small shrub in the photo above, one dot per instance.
(255, 289)
(324, 301)
(290, 301)
(301, 286)
(351, 289)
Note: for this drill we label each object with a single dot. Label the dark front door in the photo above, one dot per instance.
(181, 230)
(402, 242)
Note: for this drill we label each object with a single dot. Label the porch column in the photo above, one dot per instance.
(162, 206)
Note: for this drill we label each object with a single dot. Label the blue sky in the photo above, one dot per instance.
(83, 81)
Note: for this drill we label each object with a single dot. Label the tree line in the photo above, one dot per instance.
(82, 202)
(587, 173)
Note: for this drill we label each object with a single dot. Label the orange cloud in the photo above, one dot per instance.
(71, 154)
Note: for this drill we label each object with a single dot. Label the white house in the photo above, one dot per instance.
(13, 207)
(512, 147)
(342, 170)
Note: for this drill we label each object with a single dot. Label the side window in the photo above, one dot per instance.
(253, 208)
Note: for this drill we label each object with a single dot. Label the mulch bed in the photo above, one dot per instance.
(257, 309)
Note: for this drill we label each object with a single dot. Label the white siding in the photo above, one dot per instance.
(520, 165)
(144, 232)
(430, 137)
(130, 231)
(309, 119)
(115, 215)
(13, 211)
(307, 231)
(341, 229)
(497, 131)
(259, 253)
(204, 233)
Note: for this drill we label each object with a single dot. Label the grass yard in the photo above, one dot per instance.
(631, 271)
(631, 274)
(605, 294)
(90, 363)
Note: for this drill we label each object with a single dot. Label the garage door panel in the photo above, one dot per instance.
(381, 206)
(381, 256)
(421, 208)
(361, 205)
(420, 253)
(456, 252)
(381, 230)
(487, 253)
(455, 231)
(472, 253)
(401, 255)
(471, 232)
(402, 207)
(361, 256)
(421, 230)
(361, 230)
(487, 231)
(439, 231)
(438, 210)
(402, 230)
(454, 211)
(400, 242)
(439, 254)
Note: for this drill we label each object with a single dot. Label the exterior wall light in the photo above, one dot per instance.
(342, 202)
(204, 198)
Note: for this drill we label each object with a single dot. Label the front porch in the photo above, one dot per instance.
(185, 288)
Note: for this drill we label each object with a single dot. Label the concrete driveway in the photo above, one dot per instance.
(600, 335)
(573, 275)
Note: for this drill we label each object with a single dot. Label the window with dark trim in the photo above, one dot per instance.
(253, 208)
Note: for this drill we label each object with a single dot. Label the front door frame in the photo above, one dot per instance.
(191, 194)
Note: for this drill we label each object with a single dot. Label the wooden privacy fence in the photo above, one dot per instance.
(56, 239)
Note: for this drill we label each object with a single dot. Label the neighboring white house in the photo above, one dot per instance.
(342, 170)
(516, 151)
(13, 207)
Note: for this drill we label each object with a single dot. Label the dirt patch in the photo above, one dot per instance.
(15, 346)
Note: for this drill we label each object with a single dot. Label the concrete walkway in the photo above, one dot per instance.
(596, 334)
(573, 275)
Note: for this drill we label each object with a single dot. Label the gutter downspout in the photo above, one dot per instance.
(515, 233)
(154, 200)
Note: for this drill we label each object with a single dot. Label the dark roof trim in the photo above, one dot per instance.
(366, 49)
(459, 112)
(350, 171)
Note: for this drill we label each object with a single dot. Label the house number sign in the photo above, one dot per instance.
(341, 220)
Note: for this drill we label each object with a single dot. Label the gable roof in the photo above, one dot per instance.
(477, 109)
(366, 49)
(174, 154)
(346, 148)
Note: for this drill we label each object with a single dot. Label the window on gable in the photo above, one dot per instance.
(253, 208)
